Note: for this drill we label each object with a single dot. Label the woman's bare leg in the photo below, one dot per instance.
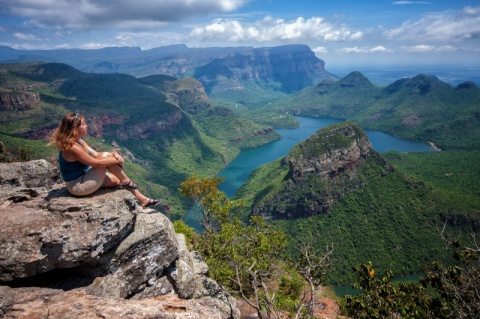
(142, 199)
(118, 177)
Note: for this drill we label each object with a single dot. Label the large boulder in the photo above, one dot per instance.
(95, 256)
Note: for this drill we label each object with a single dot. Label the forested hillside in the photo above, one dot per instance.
(334, 190)
(421, 108)
(152, 120)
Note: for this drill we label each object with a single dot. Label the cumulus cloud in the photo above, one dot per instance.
(376, 49)
(429, 48)
(443, 26)
(273, 29)
(319, 50)
(91, 13)
(26, 37)
(379, 48)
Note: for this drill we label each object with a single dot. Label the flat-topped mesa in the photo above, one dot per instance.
(320, 171)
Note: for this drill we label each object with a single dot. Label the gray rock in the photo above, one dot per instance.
(111, 258)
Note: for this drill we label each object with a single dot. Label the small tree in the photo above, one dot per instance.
(458, 285)
(212, 203)
(240, 257)
(313, 266)
(382, 299)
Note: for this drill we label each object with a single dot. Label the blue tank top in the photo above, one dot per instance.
(71, 170)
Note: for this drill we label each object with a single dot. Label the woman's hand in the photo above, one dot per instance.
(118, 158)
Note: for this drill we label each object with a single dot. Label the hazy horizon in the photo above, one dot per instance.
(340, 32)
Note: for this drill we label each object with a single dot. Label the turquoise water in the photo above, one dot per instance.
(237, 172)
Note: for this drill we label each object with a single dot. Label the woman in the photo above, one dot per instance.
(83, 169)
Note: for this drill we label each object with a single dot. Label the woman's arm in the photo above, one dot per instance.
(90, 150)
(79, 153)
(96, 154)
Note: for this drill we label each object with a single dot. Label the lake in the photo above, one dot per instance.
(238, 171)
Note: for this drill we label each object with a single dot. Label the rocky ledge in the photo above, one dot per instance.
(100, 256)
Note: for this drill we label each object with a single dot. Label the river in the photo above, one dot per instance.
(238, 171)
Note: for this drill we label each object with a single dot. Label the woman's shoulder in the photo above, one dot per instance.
(74, 149)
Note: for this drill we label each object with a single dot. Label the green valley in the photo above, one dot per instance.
(153, 121)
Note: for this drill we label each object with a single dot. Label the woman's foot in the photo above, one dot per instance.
(151, 202)
(129, 185)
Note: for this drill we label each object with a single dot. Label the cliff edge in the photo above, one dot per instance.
(99, 256)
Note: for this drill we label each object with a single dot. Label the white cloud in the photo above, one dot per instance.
(430, 48)
(376, 49)
(411, 2)
(447, 48)
(92, 13)
(352, 50)
(443, 26)
(379, 48)
(272, 29)
(418, 48)
(26, 37)
(319, 50)
(148, 40)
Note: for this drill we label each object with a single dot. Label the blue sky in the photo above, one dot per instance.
(339, 32)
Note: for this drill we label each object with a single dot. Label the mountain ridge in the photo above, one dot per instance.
(296, 65)
(420, 108)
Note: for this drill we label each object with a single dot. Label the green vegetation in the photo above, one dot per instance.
(456, 173)
(245, 258)
(378, 213)
(18, 149)
(444, 292)
(420, 108)
(166, 126)
(384, 221)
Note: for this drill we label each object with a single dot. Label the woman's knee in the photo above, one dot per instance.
(104, 155)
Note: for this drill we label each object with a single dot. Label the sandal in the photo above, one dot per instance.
(151, 202)
(129, 185)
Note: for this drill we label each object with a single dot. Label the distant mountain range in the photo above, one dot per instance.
(421, 108)
(226, 73)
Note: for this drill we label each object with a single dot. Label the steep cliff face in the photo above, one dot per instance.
(319, 172)
(118, 126)
(96, 256)
(19, 101)
(294, 67)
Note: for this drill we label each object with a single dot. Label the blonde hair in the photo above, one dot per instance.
(66, 133)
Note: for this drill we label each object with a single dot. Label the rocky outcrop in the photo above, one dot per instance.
(118, 126)
(19, 101)
(99, 256)
(188, 94)
(320, 171)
